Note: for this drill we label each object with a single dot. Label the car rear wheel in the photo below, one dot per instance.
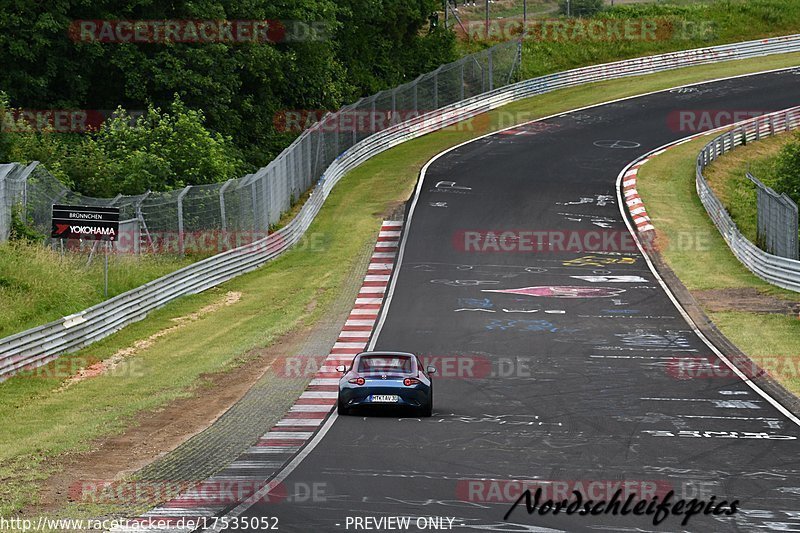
(427, 409)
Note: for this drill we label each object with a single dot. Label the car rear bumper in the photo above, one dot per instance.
(363, 397)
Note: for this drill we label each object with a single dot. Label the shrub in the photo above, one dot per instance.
(787, 169)
(580, 8)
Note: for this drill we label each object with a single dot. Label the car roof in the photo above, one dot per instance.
(403, 354)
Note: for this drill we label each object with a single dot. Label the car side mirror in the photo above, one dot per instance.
(341, 368)
(431, 370)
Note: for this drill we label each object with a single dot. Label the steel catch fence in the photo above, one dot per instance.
(780, 271)
(777, 221)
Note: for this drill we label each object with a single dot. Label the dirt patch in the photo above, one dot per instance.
(396, 211)
(745, 299)
(156, 433)
(115, 360)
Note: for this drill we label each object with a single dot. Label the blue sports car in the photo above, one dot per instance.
(386, 379)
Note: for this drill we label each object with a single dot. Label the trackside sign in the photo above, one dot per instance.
(85, 222)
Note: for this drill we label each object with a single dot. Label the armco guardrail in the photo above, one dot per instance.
(779, 271)
(41, 344)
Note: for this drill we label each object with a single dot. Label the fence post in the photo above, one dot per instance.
(436, 88)
(180, 219)
(336, 125)
(265, 200)
(372, 127)
(222, 215)
(5, 212)
(143, 224)
(308, 148)
(794, 230)
(354, 119)
(461, 93)
(287, 167)
(491, 68)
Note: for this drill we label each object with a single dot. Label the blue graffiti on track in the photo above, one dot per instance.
(526, 325)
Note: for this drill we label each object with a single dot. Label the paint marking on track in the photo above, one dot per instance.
(688, 319)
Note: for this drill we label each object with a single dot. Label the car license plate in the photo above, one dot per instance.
(385, 398)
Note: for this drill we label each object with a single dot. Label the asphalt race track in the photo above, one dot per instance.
(572, 385)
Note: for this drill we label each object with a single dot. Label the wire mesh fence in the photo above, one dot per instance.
(777, 221)
(781, 271)
(254, 203)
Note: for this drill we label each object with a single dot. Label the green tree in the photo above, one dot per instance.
(159, 151)
(787, 169)
(367, 45)
(162, 150)
(6, 123)
(382, 43)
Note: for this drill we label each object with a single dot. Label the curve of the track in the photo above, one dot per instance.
(582, 389)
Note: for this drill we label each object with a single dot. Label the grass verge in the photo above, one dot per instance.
(39, 285)
(628, 30)
(42, 421)
(693, 248)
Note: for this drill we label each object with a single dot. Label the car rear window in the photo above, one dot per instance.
(385, 363)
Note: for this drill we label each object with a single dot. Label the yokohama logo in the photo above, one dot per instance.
(91, 230)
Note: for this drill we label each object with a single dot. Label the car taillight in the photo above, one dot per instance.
(410, 381)
(356, 381)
